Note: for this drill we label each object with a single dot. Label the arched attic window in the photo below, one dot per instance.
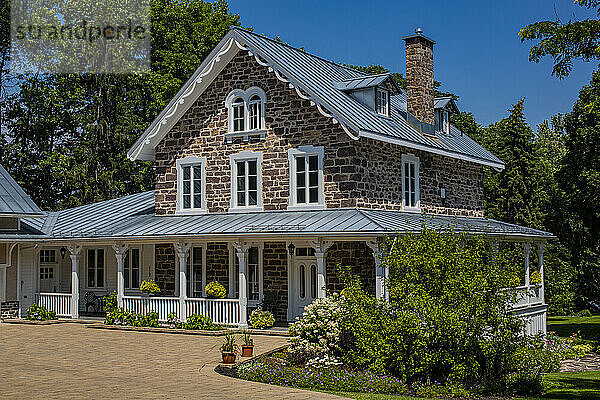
(246, 110)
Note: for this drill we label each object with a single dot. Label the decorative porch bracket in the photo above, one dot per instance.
(381, 273)
(183, 251)
(75, 251)
(241, 249)
(320, 246)
(120, 251)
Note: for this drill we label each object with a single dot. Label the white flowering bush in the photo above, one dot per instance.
(316, 335)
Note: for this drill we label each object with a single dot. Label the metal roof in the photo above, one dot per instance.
(13, 200)
(132, 217)
(317, 78)
(362, 82)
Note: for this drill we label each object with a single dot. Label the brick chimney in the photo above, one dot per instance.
(419, 76)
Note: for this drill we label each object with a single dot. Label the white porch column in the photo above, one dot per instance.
(321, 247)
(75, 251)
(120, 250)
(183, 251)
(241, 249)
(541, 270)
(380, 278)
(526, 251)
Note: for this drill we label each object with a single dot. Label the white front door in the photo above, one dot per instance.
(47, 278)
(303, 285)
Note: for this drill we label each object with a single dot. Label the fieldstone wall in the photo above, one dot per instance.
(365, 173)
(275, 274)
(164, 270)
(350, 254)
(419, 78)
(217, 264)
(9, 309)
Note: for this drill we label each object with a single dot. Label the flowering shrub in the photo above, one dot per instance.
(39, 313)
(194, 322)
(565, 348)
(122, 317)
(214, 290)
(149, 286)
(334, 379)
(316, 335)
(260, 319)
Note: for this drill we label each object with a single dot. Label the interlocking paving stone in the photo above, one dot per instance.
(590, 362)
(70, 361)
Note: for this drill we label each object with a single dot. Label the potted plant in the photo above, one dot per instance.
(248, 346)
(149, 287)
(214, 290)
(228, 349)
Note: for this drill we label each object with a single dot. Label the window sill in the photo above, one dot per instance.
(246, 134)
(245, 209)
(415, 210)
(308, 207)
(191, 212)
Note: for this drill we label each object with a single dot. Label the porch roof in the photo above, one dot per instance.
(132, 217)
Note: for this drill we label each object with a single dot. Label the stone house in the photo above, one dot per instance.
(273, 167)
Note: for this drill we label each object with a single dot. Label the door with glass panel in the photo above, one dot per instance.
(48, 271)
(304, 282)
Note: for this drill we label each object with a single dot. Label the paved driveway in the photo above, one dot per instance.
(71, 361)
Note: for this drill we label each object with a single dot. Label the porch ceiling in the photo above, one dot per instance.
(132, 217)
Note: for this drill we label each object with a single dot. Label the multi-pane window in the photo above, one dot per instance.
(95, 268)
(246, 180)
(48, 256)
(255, 113)
(131, 269)
(46, 272)
(253, 274)
(239, 115)
(410, 181)
(195, 283)
(190, 186)
(382, 102)
(307, 179)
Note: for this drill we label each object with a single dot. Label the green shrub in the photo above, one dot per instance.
(39, 313)
(260, 319)
(110, 302)
(193, 322)
(122, 317)
(333, 379)
(585, 313)
(535, 278)
(149, 286)
(214, 290)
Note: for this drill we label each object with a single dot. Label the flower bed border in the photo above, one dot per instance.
(220, 332)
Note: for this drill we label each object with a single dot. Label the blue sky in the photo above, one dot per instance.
(478, 54)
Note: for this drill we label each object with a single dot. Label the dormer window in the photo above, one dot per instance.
(246, 110)
(382, 105)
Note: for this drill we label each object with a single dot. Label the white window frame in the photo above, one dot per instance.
(127, 266)
(246, 156)
(246, 95)
(233, 274)
(379, 91)
(190, 264)
(190, 161)
(103, 287)
(445, 122)
(411, 158)
(305, 151)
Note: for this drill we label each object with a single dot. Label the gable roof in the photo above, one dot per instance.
(133, 217)
(14, 202)
(314, 79)
(445, 102)
(365, 82)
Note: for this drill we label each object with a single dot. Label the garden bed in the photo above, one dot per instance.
(220, 332)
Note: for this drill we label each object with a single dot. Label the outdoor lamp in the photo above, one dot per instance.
(291, 248)
(63, 251)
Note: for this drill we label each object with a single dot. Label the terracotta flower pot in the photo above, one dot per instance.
(247, 350)
(228, 358)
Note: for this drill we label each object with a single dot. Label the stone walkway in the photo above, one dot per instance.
(590, 362)
(70, 361)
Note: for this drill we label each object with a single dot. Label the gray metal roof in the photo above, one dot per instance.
(13, 200)
(318, 77)
(133, 216)
(362, 82)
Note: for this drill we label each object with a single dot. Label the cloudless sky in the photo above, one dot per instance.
(478, 54)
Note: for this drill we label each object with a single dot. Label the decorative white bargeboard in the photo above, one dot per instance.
(143, 305)
(221, 311)
(60, 303)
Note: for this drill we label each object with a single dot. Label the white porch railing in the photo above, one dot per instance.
(143, 305)
(221, 311)
(60, 303)
(528, 296)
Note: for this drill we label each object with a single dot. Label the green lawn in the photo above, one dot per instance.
(564, 385)
(566, 326)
